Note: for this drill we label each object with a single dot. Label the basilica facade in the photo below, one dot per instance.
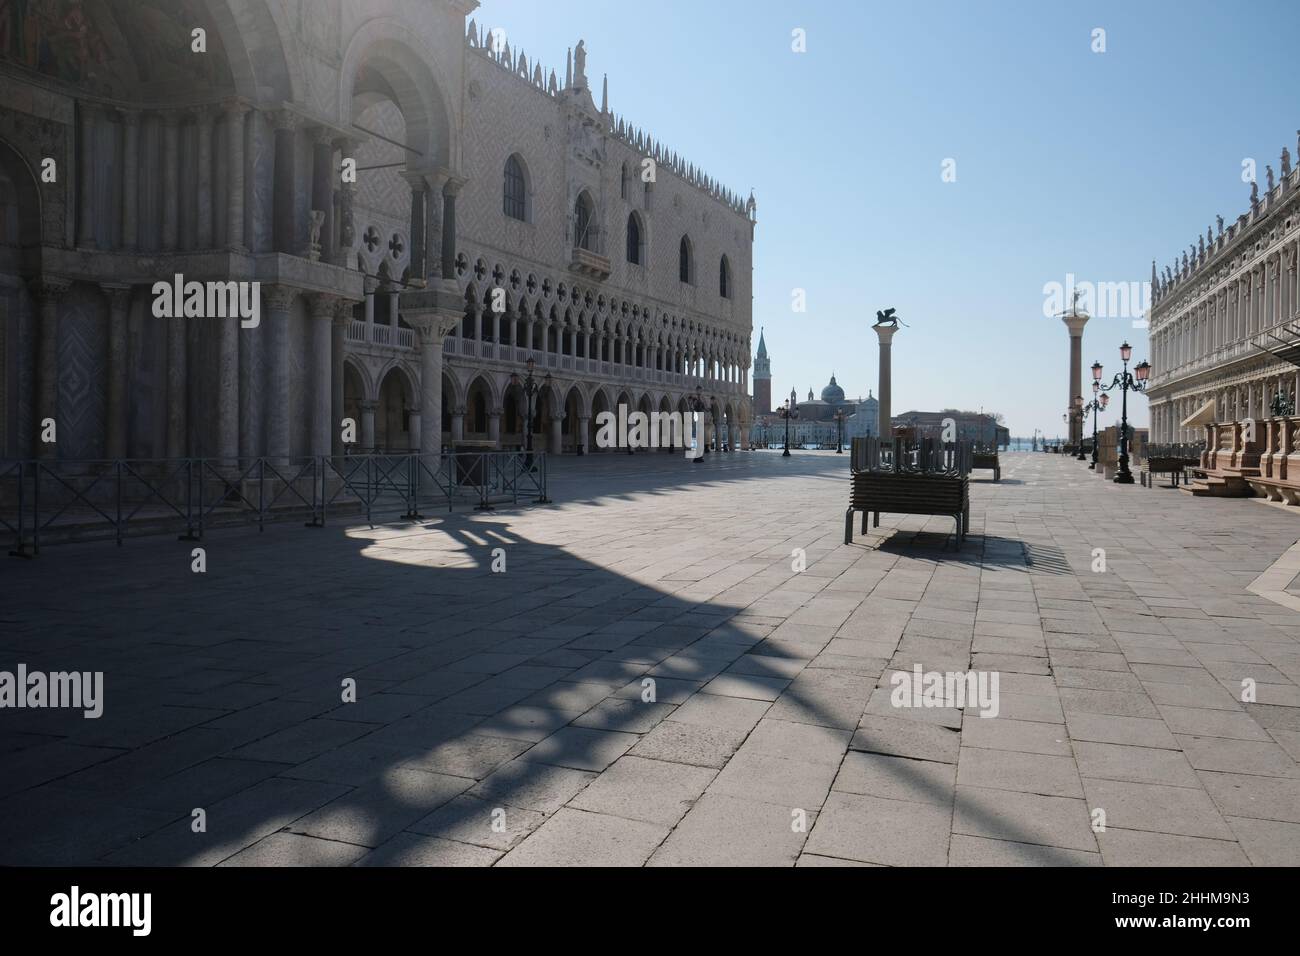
(436, 226)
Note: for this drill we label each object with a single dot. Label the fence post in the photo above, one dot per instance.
(117, 465)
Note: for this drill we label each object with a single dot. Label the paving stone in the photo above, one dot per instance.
(581, 748)
(728, 831)
(1025, 736)
(580, 838)
(906, 738)
(1023, 772)
(293, 849)
(624, 714)
(690, 743)
(370, 815)
(1135, 764)
(1157, 808)
(1023, 818)
(874, 830)
(651, 790)
(483, 823)
(1255, 797)
(532, 785)
(977, 851)
(1238, 756)
(1268, 842)
(412, 849)
(896, 778)
(1113, 729)
(1141, 848)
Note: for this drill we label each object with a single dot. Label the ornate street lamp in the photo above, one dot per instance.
(1098, 404)
(530, 389)
(698, 407)
(788, 411)
(839, 431)
(1124, 381)
(1081, 414)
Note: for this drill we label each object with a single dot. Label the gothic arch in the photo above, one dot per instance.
(393, 52)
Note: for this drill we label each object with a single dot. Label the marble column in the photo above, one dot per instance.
(338, 346)
(430, 433)
(320, 373)
(252, 343)
(170, 180)
(285, 227)
(1075, 321)
(419, 269)
(88, 114)
(369, 286)
(203, 121)
(368, 425)
(347, 193)
(279, 301)
(556, 444)
(130, 180)
(235, 111)
(449, 191)
(394, 305)
(228, 333)
(177, 385)
(47, 292)
(458, 425)
(886, 335)
(494, 427)
(323, 178)
(119, 302)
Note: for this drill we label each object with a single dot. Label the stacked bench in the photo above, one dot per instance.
(987, 460)
(913, 494)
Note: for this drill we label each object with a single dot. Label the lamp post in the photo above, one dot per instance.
(1124, 381)
(789, 410)
(530, 389)
(1080, 412)
(839, 432)
(697, 407)
(1098, 404)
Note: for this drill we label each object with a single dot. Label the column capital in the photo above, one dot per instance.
(343, 310)
(323, 135)
(170, 117)
(129, 115)
(203, 113)
(279, 298)
(118, 293)
(452, 185)
(286, 120)
(322, 305)
(48, 288)
(368, 404)
(235, 106)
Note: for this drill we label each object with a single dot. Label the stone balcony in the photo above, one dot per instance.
(590, 264)
(381, 336)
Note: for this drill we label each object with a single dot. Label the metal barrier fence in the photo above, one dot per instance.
(77, 500)
(928, 456)
(1183, 450)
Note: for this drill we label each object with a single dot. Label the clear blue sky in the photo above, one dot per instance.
(1067, 161)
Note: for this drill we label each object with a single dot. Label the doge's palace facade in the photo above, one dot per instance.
(500, 213)
(1220, 311)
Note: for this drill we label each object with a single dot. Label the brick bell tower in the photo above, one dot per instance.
(762, 379)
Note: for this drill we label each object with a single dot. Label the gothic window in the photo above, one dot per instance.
(622, 185)
(515, 192)
(583, 225)
(634, 240)
(724, 278)
(685, 265)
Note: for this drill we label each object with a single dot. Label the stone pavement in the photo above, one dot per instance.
(503, 719)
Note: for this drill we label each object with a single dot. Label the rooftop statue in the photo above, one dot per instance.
(887, 317)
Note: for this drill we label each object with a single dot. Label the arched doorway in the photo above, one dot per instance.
(393, 415)
(599, 405)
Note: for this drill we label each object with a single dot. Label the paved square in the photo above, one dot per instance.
(650, 682)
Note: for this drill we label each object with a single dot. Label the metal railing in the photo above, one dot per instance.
(44, 501)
